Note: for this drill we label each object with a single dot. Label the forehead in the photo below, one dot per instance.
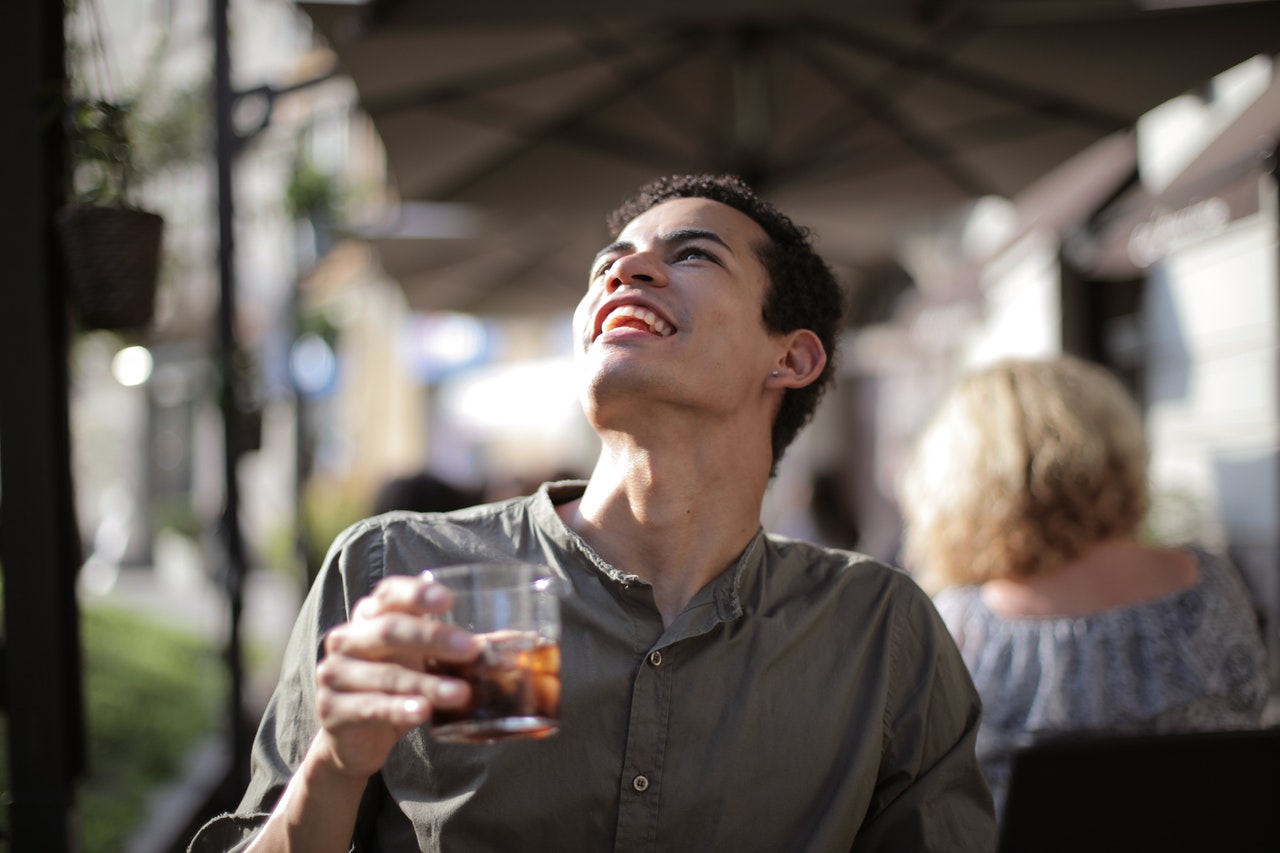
(733, 226)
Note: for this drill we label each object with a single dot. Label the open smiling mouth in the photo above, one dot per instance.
(636, 317)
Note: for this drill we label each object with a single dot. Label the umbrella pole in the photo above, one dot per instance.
(235, 565)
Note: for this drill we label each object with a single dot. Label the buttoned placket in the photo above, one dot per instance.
(641, 782)
(640, 786)
(647, 733)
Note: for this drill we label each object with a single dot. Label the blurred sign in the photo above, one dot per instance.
(434, 346)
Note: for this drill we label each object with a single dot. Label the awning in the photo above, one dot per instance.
(1220, 185)
(857, 117)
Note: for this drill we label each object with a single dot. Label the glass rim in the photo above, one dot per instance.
(497, 575)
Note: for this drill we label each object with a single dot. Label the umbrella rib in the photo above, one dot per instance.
(471, 85)
(870, 159)
(667, 100)
(518, 269)
(877, 108)
(612, 52)
(599, 46)
(754, 109)
(522, 250)
(818, 139)
(563, 122)
(502, 116)
(924, 60)
(705, 134)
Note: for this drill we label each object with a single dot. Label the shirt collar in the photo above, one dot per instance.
(724, 593)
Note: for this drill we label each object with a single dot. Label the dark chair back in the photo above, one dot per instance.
(1202, 791)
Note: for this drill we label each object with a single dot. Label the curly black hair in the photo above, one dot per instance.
(803, 291)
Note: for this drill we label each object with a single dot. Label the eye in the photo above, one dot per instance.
(691, 253)
(603, 267)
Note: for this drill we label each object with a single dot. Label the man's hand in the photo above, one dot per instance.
(373, 686)
(371, 689)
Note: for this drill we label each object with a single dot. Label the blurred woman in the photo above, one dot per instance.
(1023, 504)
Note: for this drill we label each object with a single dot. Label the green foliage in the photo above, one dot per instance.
(101, 155)
(114, 146)
(328, 508)
(176, 513)
(151, 693)
(311, 194)
(318, 322)
(121, 135)
(175, 134)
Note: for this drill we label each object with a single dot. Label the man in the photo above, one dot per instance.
(723, 689)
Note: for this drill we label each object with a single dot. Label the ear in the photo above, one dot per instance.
(801, 362)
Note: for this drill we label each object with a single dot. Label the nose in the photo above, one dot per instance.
(637, 268)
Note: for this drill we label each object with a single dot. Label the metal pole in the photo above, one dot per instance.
(226, 145)
(39, 540)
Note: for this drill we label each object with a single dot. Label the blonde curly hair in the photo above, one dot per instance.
(1024, 465)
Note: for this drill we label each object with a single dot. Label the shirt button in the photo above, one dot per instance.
(655, 658)
(640, 783)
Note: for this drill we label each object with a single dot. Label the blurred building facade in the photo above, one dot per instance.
(1154, 253)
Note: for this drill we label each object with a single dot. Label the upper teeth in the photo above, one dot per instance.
(650, 319)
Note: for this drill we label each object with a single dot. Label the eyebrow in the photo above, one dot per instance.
(677, 236)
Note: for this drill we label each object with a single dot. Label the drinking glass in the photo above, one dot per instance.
(514, 608)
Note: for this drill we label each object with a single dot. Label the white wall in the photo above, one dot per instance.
(1212, 336)
(1022, 304)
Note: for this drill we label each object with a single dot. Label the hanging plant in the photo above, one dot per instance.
(101, 155)
(112, 248)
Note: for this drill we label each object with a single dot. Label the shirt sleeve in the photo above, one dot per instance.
(930, 793)
(289, 722)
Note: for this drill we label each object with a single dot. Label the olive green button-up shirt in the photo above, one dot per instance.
(806, 700)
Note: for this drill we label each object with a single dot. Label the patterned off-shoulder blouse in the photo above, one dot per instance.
(1189, 661)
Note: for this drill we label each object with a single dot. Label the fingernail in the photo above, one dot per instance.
(460, 642)
(434, 595)
(449, 691)
(414, 707)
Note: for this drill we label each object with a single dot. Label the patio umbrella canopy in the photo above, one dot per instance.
(860, 118)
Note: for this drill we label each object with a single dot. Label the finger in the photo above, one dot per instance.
(402, 637)
(341, 710)
(404, 594)
(346, 675)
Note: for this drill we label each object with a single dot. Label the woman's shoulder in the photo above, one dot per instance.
(1195, 655)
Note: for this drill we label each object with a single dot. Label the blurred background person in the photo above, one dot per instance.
(422, 491)
(1024, 504)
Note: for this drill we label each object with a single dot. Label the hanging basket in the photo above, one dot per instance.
(113, 261)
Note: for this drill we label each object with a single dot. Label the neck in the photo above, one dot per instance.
(676, 516)
(1117, 572)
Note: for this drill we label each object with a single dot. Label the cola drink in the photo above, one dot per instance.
(515, 691)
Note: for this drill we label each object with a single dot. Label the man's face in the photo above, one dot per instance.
(673, 311)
